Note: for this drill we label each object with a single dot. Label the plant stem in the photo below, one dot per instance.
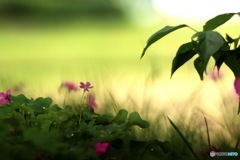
(208, 136)
(192, 29)
(184, 139)
(237, 144)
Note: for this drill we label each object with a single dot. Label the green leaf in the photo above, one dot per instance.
(184, 53)
(105, 119)
(219, 59)
(217, 21)
(236, 43)
(20, 99)
(135, 119)
(229, 39)
(40, 104)
(160, 34)
(233, 61)
(206, 44)
(221, 55)
(199, 66)
(121, 117)
(5, 112)
(44, 102)
(54, 108)
(24, 108)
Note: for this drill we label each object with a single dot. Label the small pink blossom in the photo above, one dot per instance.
(91, 101)
(71, 86)
(5, 98)
(101, 148)
(85, 86)
(237, 85)
(215, 74)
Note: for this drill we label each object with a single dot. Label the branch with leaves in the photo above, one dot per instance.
(206, 44)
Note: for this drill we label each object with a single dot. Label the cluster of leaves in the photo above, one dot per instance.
(207, 43)
(36, 129)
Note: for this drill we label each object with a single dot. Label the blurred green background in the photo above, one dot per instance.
(44, 43)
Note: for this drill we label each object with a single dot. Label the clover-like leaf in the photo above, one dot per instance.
(40, 104)
(121, 117)
(105, 119)
(20, 99)
(135, 119)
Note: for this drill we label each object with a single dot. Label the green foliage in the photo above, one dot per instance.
(206, 44)
(34, 128)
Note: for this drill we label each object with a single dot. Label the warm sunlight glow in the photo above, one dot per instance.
(195, 9)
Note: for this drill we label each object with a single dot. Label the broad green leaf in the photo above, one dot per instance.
(229, 39)
(221, 55)
(219, 59)
(135, 119)
(233, 61)
(236, 42)
(160, 34)
(199, 66)
(206, 44)
(217, 21)
(184, 53)
(121, 116)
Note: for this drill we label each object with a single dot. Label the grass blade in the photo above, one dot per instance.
(208, 137)
(183, 138)
(237, 144)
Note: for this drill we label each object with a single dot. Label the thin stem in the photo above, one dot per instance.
(82, 97)
(192, 29)
(237, 144)
(238, 106)
(208, 136)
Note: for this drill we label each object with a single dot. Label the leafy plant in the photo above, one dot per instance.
(205, 44)
(37, 129)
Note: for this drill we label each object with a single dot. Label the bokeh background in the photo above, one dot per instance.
(46, 42)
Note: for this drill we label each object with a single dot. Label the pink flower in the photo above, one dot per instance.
(70, 86)
(101, 148)
(237, 85)
(5, 98)
(215, 75)
(91, 101)
(85, 86)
